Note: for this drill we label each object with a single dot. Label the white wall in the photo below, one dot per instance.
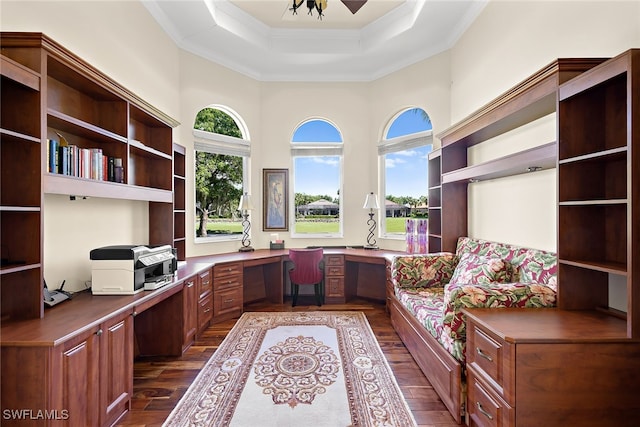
(508, 42)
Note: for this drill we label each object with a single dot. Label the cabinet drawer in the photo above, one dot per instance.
(334, 286)
(205, 311)
(225, 270)
(486, 354)
(227, 301)
(334, 270)
(204, 283)
(333, 260)
(486, 408)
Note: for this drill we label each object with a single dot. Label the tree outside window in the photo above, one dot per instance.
(220, 161)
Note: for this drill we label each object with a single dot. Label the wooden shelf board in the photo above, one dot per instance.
(18, 136)
(63, 122)
(18, 268)
(20, 208)
(607, 267)
(614, 152)
(542, 157)
(19, 73)
(73, 186)
(593, 202)
(140, 146)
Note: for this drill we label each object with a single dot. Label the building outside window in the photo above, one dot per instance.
(403, 151)
(316, 152)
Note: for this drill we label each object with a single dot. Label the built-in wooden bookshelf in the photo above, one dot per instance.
(599, 188)
(20, 191)
(530, 100)
(179, 201)
(48, 92)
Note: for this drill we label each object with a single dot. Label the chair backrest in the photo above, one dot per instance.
(306, 269)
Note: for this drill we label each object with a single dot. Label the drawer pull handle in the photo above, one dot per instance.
(227, 301)
(207, 310)
(483, 354)
(190, 285)
(483, 412)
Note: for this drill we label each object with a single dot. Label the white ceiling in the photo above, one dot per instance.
(264, 40)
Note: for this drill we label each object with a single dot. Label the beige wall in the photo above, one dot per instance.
(509, 41)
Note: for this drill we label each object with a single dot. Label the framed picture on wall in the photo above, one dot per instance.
(275, 199)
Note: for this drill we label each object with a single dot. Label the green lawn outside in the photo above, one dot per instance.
(393, 225)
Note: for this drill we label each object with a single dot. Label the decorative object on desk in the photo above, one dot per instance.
(244, 207)
(298, 368)
(275, 199)
(371, 203)
(275, 242)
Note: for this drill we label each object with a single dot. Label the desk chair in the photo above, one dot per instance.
(307, 270)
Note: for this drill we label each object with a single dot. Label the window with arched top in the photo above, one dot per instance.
(402, 152)
(316, 154)
(222, 152)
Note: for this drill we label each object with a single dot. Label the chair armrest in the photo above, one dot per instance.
(423, 271)
(493, 295)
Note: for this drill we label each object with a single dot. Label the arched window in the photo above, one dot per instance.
(222, 151)
(403, 152)
(316, 153)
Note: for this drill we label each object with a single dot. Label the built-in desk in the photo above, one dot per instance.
(75, 365)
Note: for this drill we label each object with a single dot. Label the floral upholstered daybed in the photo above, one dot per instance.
(431, 290)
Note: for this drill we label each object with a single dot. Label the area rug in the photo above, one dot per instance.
(320, 369)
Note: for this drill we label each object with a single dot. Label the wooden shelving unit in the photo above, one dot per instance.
(179, 201)
(599, 187)
(530, 100)
(20, 191)
(46, 91)
(435, 202)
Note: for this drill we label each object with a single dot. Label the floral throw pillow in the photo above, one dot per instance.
(477, 269)
(423, 271)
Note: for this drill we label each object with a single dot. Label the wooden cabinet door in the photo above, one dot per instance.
(80, 380)
(190, 311)
(116, 367)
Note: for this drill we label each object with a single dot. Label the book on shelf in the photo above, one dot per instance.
(88, 163)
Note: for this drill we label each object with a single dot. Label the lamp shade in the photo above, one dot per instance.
(371, 202)
(245, 203)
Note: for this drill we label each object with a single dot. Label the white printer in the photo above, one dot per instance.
(129, 269)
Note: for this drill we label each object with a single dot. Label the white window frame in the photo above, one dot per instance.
(216, 143)
(316, 149)
(395, 145)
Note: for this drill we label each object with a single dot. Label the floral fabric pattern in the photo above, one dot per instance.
(494, 295)
(474, 268)
(436, 287)
(423, 271)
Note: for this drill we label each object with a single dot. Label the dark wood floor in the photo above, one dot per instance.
(160, 382)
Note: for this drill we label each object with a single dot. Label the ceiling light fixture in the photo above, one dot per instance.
(321, 6)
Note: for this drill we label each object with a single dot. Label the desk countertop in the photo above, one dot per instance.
(86, 311)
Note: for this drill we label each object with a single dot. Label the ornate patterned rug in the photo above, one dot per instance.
(294, 369)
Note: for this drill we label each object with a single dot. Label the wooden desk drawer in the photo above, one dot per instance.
(333, 260)
(486, 354)
(204, 283)
(227, 301)
(205, 311)
(334, 270)
(228, 282)
(225, 270)
(486, 408)
(334, 287)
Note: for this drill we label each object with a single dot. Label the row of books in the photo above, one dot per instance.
(88, 163)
